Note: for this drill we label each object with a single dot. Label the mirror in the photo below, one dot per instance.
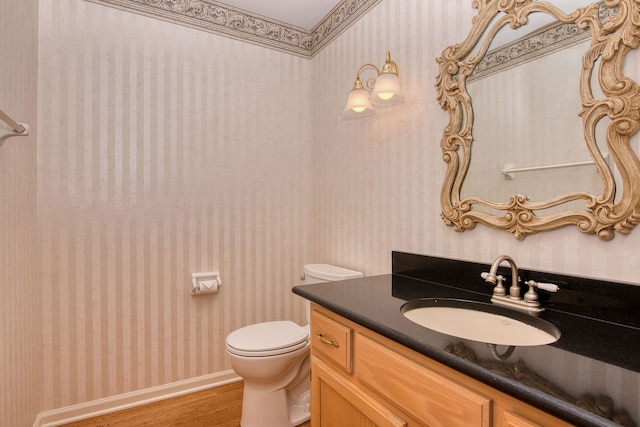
(540, 119)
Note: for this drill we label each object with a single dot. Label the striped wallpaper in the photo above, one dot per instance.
(20, 353)
(163, 150)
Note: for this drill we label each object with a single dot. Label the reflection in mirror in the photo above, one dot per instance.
(539, 120)
(518, 99)
(528, 77)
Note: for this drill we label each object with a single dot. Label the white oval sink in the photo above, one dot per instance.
(481, 322)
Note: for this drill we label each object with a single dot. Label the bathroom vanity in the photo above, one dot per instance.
(373, 366)
(369, 377)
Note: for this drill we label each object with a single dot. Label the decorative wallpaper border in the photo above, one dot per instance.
(219, 18)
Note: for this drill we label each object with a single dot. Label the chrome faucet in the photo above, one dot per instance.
(527, 303)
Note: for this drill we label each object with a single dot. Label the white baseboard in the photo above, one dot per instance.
(107, 405)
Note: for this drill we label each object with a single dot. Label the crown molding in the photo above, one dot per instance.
(219, 18)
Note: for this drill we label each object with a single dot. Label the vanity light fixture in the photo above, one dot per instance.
(384, 88)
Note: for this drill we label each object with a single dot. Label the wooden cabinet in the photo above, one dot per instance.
(362, 379)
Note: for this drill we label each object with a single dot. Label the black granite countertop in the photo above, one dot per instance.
(598, 321)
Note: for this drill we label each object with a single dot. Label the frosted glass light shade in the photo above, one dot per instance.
(358, 104)
(387, 91)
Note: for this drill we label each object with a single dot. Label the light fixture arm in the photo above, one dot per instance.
(370, 82)
(390, 67)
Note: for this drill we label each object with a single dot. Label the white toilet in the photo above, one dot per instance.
(273, 360)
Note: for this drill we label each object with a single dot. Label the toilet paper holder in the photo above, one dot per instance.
(205, 283)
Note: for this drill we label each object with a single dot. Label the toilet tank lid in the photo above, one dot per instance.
(330, 272)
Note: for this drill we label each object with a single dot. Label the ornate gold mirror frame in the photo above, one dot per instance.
(610, 42)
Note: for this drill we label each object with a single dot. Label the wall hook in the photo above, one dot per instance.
(17, 129)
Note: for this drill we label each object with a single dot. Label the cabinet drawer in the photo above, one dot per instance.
(332, 340)
(432, 398)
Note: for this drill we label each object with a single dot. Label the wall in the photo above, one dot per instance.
(19, 303)
(377, 180)
(162, 151)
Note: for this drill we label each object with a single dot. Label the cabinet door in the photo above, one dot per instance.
(336, 402)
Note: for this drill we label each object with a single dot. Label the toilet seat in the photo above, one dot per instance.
(267, 339)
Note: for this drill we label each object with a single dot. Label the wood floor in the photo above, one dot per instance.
(215, 407)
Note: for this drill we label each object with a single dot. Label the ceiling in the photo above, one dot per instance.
(304, 14)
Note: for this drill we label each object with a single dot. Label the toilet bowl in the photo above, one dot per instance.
(273, 360)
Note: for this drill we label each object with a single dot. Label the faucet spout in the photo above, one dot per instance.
(491, 277)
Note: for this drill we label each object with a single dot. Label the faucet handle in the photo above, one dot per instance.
(499, 289)
(531, 297)
(549, 287)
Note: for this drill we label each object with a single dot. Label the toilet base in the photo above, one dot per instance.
(261, 408)
(297, 416)
(300, 411)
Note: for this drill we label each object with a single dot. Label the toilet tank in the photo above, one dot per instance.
(318, 273)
